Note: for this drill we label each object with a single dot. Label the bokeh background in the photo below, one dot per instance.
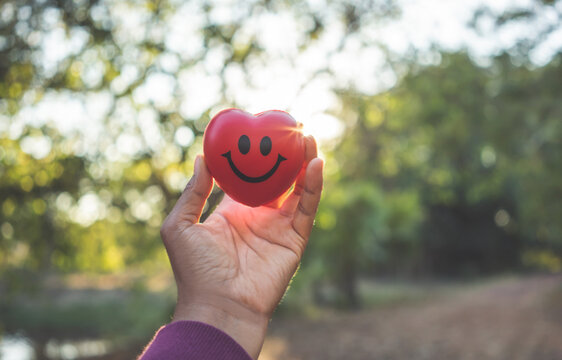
(439, 235)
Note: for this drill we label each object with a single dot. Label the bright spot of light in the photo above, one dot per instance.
(15, 348)
(7, 230)
(364, 74)
(200, 92)
(76, 349)
(58, 45)
(92, 74)
(141, 210)
(128, 22)
(129, 73)
(277, 33)
(311, 108)
(36, 146)
(183, 35)
(168, 62)
(184, 136)
(158, 89)
(128, 144)
(488, 156)
(64, 201)
(176, 180)
(315, 97)
(154, 195)
(88, 210)
(548, 48)
(502, 218)
(148, 125)
(7, 12)
(322, 126)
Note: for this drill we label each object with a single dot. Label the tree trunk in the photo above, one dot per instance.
(40, 349)
(348, 285)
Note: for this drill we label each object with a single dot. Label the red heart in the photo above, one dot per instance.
(254, 158)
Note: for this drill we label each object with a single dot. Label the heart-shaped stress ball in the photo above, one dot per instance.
(254, 158)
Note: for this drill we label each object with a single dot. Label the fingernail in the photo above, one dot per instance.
(319, 160)
(196, 165)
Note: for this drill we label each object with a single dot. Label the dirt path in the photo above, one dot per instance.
(512, 319)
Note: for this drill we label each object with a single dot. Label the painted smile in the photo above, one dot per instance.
(252, 179)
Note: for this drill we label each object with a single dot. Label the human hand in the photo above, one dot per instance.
(232, 270)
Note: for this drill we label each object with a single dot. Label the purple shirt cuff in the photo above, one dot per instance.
(193, 340)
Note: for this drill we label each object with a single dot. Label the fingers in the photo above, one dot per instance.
(309, 199)
(310, 152)
(191, 202)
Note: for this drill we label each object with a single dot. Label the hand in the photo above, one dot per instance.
(232, 270)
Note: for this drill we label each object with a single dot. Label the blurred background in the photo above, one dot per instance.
(439, 235)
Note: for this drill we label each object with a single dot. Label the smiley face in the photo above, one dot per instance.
(253, 158)
(244, 145)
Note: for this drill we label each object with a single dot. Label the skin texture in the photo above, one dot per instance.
(232, 270)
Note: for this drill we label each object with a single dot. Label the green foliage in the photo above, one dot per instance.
(453, 171)
(84, 315)
(85, 192)
(94, 201)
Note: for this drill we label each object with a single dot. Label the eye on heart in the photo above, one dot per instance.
(244, 145)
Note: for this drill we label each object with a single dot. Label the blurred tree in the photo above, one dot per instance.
(120, 153)
(92, 157)
(469, 150)
(452, 172)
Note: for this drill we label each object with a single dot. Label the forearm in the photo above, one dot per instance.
(247, 328)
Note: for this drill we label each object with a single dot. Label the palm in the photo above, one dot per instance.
(251, 252)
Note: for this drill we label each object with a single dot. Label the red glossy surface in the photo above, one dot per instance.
(261, 172)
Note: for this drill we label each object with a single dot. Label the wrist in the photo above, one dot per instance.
(246, 327)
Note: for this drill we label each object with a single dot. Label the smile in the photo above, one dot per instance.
(252, 179)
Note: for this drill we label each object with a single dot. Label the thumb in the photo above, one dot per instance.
(191, 202)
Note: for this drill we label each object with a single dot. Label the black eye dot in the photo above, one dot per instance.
(265, 145)
(244, 144)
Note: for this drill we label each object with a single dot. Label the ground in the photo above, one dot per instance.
(510, 318)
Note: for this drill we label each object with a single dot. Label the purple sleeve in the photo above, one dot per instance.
(192, 340)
